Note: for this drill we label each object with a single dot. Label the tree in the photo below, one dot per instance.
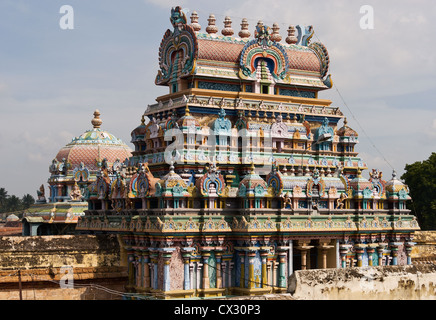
(13, 204)
(421, 179)
(27, 201)
(3, 197)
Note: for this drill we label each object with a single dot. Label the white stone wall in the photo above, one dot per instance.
(412, 282)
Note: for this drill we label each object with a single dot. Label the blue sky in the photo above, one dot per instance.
(52, 80)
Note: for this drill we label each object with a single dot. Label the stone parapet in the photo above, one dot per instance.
(411, 282)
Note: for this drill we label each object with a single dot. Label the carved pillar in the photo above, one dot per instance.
(224, 273)
(409, 246)
(370, 249)
(219, 279)
(242, 279)
(166, 276)
(282, 265)
(130, 267)
(230, 268)
(380, 250)
(360, 250)
(191, 273)
(394, 251)
(264, 256)
(138, 267)
(304, 248)
(324, 247)
(270, 270)
(146, 270)
(199, 268)
(343, 251)
(206, 256)
(186, 254)
(186, 271)
(153, 258)
(251, 280)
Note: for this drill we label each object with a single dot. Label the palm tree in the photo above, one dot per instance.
(13, 204)
(27, 201)
(3, 197)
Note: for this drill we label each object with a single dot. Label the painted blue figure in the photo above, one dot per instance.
(324, 129)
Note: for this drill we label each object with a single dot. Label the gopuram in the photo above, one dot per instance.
(243, 174)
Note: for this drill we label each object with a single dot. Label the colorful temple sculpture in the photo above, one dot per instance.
(243, 175)
(73, 169)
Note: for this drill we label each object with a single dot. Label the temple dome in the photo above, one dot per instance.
(252, 180)
(91, 147)
(394, 185)
(360, 183)
(139, 132)
(346, 131)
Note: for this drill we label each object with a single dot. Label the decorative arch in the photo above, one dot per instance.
(178, 52)
(275, 54)
(274, 181)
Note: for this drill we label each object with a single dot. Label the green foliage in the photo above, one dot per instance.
(421, 179)
(13, 203)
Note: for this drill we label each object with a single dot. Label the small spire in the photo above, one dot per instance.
(143, 120)
(172, 167)
(96, 122)
(275, 36)
(187, 111)
(211, 28)
(227, 31)
(194, 21)
(291, 38)
(244, 33)
(345, 122)
(252, 168)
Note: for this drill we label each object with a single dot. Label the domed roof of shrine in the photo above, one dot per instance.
(188, 120)
(360, 183)
(346, 131)
(91, 147)
(252, 180)
(171, 179)
(394, 185)
(139, 131)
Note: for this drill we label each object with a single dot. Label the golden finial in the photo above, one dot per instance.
(345, 121)
(143, 120)
(96, 122)
(187, 111)
(252, 168)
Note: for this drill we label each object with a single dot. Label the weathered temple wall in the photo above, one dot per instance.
(425, 249)
(47, 263)
(410, 282)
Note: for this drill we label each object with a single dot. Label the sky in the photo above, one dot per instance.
(52, 79)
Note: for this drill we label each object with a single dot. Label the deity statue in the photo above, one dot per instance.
(177, 16)
(287, 201)
(76, 194)
(340, 201)
(41, 194)
(262, 34)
